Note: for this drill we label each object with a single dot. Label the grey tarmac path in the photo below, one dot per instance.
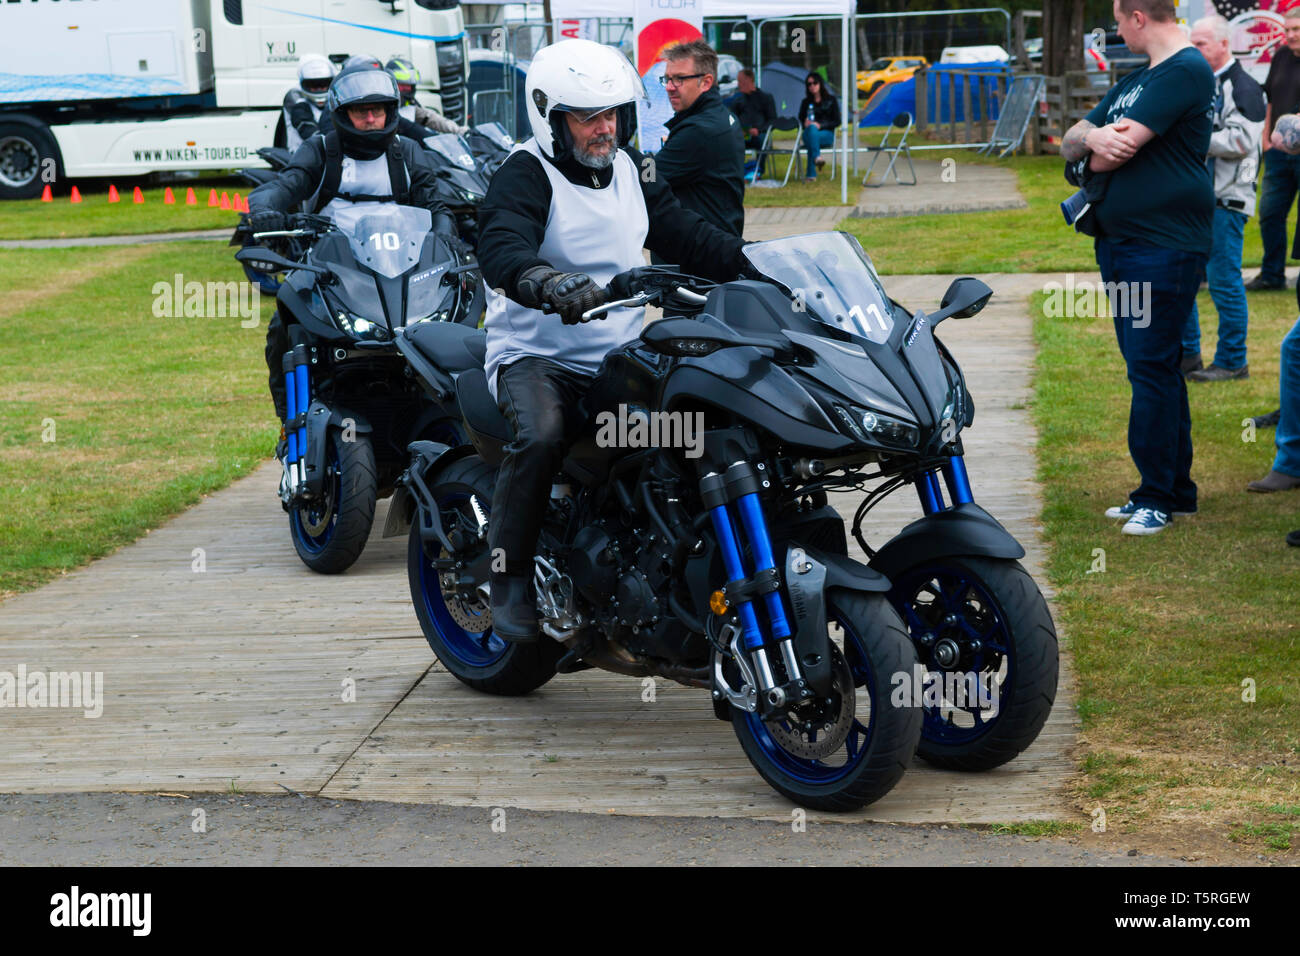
(116, 240)
(100, 829)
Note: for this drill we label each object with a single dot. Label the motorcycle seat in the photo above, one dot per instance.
(451, 347)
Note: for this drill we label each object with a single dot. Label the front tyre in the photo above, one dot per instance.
(872, 739)
(456, 619)
(985, 638)
(330, 532)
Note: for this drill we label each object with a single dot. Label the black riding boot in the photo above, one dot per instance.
(540, 400)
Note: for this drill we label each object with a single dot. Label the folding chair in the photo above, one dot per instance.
(764, 142)
(833, 148)
(785, 124)
(902, 121)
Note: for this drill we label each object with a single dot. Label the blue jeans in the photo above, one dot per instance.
(813, 141)
(1288, 425)
(1281, 181)
(1159, 285)
(1226, 289)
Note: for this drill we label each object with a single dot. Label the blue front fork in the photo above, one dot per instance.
(954, 476)
(297, 390)
(738, 488)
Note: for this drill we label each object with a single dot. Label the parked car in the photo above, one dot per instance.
(887, 69)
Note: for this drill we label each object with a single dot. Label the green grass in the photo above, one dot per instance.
(146, 414)
(1037, 828)
(1034, 239)
(1163, 639)
(96, 216)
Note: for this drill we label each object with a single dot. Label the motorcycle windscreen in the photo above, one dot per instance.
(829, 275)
(385, 237)
(451, 147)
(496, 133)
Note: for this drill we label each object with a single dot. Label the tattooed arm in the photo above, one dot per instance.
(1073, 147)
(1286, 134)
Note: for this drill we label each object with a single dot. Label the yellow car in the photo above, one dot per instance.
(886, 69)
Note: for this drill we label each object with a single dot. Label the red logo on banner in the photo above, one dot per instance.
(659, 36)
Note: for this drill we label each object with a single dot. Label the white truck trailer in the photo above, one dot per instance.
(128, 87)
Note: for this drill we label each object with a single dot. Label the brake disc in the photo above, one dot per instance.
(472, 616)
(793, 732)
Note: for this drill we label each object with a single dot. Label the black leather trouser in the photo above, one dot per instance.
(541, 400)
(277, 343)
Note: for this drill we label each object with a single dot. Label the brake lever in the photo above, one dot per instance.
(641, 298)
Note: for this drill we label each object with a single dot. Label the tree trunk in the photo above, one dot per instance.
(1062, 36)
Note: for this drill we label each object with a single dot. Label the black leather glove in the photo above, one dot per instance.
(568, 293)
(269, 220)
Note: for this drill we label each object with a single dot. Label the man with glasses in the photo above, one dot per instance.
(703, 159)
(568, 210)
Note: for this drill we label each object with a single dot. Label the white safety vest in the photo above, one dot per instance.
(360, 177)
(600, 232)
(291, 138)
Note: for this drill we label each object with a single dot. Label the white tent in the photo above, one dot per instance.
(750, 10)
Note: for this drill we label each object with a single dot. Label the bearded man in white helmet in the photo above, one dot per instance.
(569, 209)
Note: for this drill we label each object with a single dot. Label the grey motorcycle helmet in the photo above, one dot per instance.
(359, 84)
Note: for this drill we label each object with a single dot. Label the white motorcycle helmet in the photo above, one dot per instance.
(315, 73)
(583, 77)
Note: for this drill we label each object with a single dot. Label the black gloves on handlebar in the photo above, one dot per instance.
(568, 293)
(268, 220)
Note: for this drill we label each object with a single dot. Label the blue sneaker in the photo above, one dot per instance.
(1128, 509)
(1146, 521)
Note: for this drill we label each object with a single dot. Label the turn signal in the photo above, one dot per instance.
(718, 603)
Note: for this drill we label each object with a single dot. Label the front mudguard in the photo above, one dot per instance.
(320, 419)
(963, 530)
(809, 574)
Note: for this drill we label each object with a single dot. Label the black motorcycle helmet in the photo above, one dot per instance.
(358, 84)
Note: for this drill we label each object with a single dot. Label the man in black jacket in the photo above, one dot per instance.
(703, 159)
(756, 111)
(567, 211)
(361, 159)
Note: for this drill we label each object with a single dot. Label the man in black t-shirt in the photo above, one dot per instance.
(1281, 172)
(1151, 133)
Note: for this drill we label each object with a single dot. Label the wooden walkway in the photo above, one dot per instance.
(240, 672)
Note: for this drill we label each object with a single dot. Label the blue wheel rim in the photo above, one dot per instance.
(856, 745)
(961, 594)
(470, 648)
(315, 544)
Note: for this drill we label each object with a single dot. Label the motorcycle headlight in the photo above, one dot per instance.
(360, 328)
(890, 430)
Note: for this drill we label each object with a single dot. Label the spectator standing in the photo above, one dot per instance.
(1238, 125)
(1151, 132)
(819, 115)
(1285, 473)
(1281, 172)
(756, 111)
(703, 159)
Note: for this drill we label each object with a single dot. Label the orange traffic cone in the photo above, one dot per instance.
(212, 198)
(225, 200)
(189, 197)
(168, 198)
(76, 194)
(46, 194)
(137, 197)
(112, 194)
(238, 202)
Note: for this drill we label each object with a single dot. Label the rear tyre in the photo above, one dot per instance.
(330, 534)
(979, 623)
(458, 626)
(870, 648)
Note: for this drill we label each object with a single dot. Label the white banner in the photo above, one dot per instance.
(657, 25)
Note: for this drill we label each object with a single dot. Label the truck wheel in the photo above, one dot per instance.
(25, 151)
